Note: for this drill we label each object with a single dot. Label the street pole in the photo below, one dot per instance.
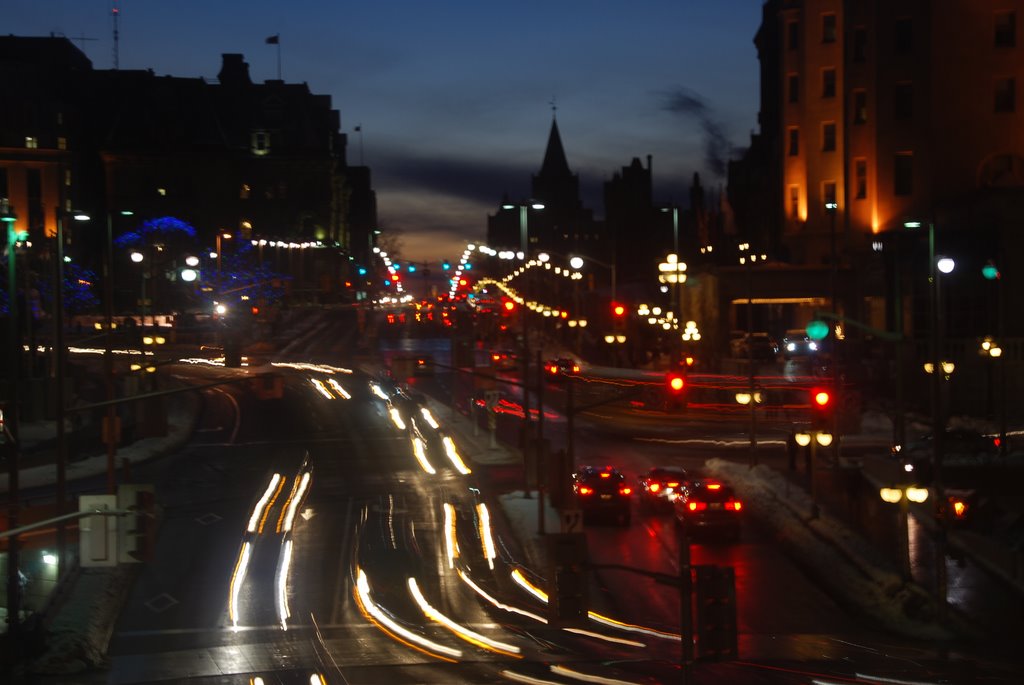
(108, 359)
(538, 451)
(899, 419)
(834, 273)
(750, 357)
(685, 602)
(61, 373)
(524, 245)
(938, 425)
(11, 425)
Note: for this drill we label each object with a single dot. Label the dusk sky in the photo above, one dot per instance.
(454, 97)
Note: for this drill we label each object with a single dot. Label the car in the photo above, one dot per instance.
(560, 368)
(603, 490)
(660, 486)
(795, 343)
(756, 345)
(958, 445)
(708, 507)
(504, 360)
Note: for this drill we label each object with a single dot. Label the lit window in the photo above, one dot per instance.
(794, 142)
(67, 177)
(31, 142)
(828, 137)
(828, 28)
(828, 193)
(860, 178)
(828, 83)
(794, 202)
(1005, 29)
(161, 192)
(860, 107)
(260, 143)
(62, 143)
(244, 192)
(1005, 94)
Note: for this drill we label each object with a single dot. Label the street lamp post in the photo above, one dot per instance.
(61, 375)
(903, 496)
(11, 420)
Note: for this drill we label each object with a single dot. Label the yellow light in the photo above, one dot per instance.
(959, 508)
(824, 439)
(948, 367)
(743, 397)
(891, 495)
(917, 494)
(996, 352)
(147, 340)
(929, 367)
(803, 439)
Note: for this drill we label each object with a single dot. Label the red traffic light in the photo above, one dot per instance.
(618, 309)
(821, 398)
(675, 382)
(509, 305)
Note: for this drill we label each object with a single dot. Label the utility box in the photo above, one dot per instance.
(568, 581)
(716, 612)
(97, 534)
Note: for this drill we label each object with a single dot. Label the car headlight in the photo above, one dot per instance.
(791, 347)
(812, 346)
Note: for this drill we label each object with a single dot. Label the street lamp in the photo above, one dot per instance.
(903, 496)
(673, 273)
(61, 374)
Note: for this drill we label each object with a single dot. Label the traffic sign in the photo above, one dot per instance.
(572, 520)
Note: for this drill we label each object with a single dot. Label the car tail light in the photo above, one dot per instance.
(714, 486)
(696, 506)
(672, 485)
(605, 474)
(495, 357)
(575, 368)
(584, 490)
(625, 490)
(553, 370)
(733, 504)
(654, 487)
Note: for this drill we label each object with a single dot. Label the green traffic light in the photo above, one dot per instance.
(990, 271)
(817, 330)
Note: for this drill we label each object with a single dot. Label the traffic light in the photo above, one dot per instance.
(618, 310)
(821, 408)
(716, 612)
(445, 265)
(675, 382)
(510, 306)
(136, 530)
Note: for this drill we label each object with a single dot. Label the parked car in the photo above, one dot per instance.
(660, 486)
(709, 508)
(603, 490)
(757, 345)
(560, 368)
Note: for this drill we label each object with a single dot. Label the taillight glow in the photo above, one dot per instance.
(714, 486)
(605, 474)
(672, 485)
(584, 490)
(654, 487)
(735, 505)
(626, 490)
(696, 506)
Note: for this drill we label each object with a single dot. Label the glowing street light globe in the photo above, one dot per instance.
(137, 257)
(945, 265)
(189, 275)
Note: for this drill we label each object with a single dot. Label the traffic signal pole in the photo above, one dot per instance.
(11, 426)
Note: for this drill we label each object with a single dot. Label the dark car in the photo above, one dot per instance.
(796, 344)
(602, 491)
(958, 445)
(709, 507)
(660, 486)
(504, 360)
(755, 345)
(560, 368)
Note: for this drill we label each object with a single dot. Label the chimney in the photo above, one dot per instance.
(234, 71)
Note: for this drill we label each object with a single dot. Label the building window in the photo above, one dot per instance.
(903, 36)
(903, 174)
(793, 35)
(903, 101)
(828, 136)
(794, 88)
(860, 178)
(1005, 29)
(828, 83)
(31, 142)
(828, 194)
(62, 143)
(162, 192)
(67, 177)
(860, 44)
(828, 28)
(260, 143)
(244, 191)
(1005, 94)
(794, 142)
(794, 202)
(860, 107)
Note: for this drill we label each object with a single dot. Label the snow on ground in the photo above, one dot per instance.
(851, 570)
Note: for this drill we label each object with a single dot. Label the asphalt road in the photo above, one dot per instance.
(354, 575)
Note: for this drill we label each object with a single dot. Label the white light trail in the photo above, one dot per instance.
(284, 524)
(336, 386)
(565, 671)
(421, 456)
(460, 630)
(321, 388)
(451, 544)
(282, 584)
(453, 456)
(511, 609)
(362, 592)
(486, 540)
(429, 417)
(257, 511)
(396, 417)
(241, 566)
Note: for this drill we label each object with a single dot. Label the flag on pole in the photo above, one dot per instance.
(274, 40)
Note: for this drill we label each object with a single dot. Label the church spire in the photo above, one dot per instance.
(555, 163)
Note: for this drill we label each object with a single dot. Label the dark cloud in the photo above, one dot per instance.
(690, 105)
(481, 181)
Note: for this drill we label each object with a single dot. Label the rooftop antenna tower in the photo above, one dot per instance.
(114, 14)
